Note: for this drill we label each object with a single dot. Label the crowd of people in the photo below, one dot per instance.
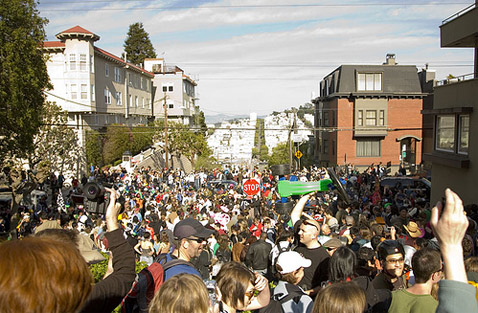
(368, 249)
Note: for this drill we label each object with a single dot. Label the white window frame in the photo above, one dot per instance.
(84, 92)
(92, 63)
(369, 81)
(107, 96)
(438, 129)
(74, 91)
(460, 133)
(107, 70)
(370, 119)
(117, 74)
(364, 142)
(119, 98)
(72, 61)
(83, 62)
(92, 93)
(142, 100)
(130, 101)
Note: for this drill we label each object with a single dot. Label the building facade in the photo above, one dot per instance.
(96, 87)
(369, 114)
(454, 156)
(174, 92)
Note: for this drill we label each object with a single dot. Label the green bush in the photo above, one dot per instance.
(99, 269)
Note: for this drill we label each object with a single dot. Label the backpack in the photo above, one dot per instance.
(147, 284)
(275, 306)
(274, 259)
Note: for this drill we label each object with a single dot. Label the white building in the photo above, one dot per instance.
(175, 89)
(96, 87)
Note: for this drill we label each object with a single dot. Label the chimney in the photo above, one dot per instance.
(390, 60)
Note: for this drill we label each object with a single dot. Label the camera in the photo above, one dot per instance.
(211, 289)
(97, 198)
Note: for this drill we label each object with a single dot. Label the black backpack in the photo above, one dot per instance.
(147, 284)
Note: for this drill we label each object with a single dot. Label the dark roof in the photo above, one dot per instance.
(397, 80)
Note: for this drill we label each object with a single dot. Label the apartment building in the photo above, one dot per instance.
(370, 114)
(96, 87)
(455, 146)
(173, 91)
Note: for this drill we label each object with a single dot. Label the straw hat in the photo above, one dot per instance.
(413, 229)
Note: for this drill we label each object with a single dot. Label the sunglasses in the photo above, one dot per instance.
(198, 240)
(251, 293)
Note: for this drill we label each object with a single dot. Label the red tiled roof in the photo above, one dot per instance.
(77, 29)
(53, 44)
(122, 61)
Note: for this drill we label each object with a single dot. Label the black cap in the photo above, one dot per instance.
(191, 227)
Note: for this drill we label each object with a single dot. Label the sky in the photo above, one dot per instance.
(262, 56)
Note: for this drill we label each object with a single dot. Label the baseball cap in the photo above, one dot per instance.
(291, 261)
(191, 227)
(333, 243)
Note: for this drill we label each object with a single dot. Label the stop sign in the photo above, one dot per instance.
(251, 187)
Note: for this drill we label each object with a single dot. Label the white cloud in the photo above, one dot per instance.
(271, 58)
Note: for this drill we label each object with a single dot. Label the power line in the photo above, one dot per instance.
(230, 129)
(261, 6)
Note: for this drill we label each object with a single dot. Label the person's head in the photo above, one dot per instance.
(332, 244)
(235, 285)
(342, 265)
(349, 221)
(42, 275)
(290, 266)
(309, 230)
(426, 265)
(391, 254)
(325, 229)
(181, 293)
(190, 236)
(365, 257)
(471, 264)
(340, 297)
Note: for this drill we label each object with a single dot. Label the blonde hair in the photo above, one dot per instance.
(42, 275)
(182, 293)
(340, 297)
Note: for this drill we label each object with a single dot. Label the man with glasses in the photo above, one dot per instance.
(189, 239)
(427, 267)
(391, 255)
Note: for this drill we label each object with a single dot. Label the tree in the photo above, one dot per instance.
(183, 141)
(94, 148)
(280, 154)
(137, 45)
(23, 76)
(55, 142)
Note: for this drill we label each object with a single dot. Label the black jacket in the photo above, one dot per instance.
(257, 256)
(108, 293)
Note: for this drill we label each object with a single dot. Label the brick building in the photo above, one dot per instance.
(369, 114)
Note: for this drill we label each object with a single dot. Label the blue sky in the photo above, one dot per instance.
(263, 56)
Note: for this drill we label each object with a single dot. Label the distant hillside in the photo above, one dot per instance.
(213, 119)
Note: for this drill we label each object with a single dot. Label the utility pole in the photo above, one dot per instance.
(166, 131)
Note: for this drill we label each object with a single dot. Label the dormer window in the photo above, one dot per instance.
(369, 81)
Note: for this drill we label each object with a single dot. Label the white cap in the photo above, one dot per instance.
(291, 261)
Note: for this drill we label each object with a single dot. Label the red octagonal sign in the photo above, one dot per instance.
(251, 187)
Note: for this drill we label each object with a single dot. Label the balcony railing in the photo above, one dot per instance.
(455, 79)
(454, 16)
